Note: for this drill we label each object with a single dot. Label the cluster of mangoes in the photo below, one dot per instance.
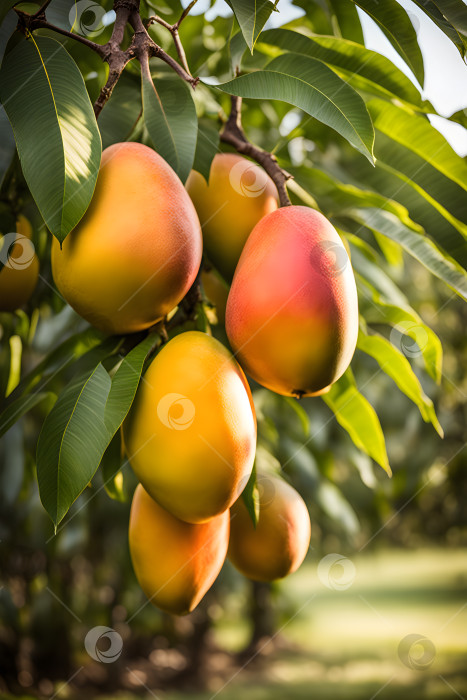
(291, 318)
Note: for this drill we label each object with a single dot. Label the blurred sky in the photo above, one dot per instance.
(445, 72)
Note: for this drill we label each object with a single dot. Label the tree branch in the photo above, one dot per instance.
(173, 29)
(233, 134)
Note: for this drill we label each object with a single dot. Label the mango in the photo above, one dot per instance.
(175, 562)
(238, 195)
(292, 311)
(20, 271)
(278, 544)
(137, 250)
(190, 435)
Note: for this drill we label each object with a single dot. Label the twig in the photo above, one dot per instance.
(234, 135)
(173, 29)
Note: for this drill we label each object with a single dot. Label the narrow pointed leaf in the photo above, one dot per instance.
(407, 322)
(18, 408)
(207, 146)
(58, 140)
(432, 10)
(396, 25)
(396, 365)
(455, 12)
(358, 417)
(362, 68)
(313, 87)
(347, 19)
(6, 7)
(80, 426)
(250, 497)
(414, 242)
(169, 114)
(251, 16)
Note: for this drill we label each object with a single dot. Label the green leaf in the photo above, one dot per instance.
(414, 242)
(58, 140)
(251, 16)
(433, 12)
(347, 19)
(80, 426)
(125, 382)
(409, 147)
(169, 114)
(397, 366)
(363, 69)
(16, 409)
(120, 115)
(237, 48)
(6, 7)
(207, 146)
(455, 12)
(406, 321)
(72, 442)
(396, 25)
(315, 88)
(358, 417)
(251, 497)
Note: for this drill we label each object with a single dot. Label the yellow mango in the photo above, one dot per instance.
(175, 562)
(280, 541)
(190, 435)
(238, 195)
(137, 250)
(20, 271)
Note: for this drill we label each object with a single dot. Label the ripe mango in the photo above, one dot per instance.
(175, 562)
(292, 311)
(137, 250)
(190, 435)
(238, 195)
(20, 271)
(280, 541)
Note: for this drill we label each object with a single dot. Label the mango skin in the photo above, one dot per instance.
(280, 541)
(137, 250)
(175, 562)
(238, 195)
(190, 435)
(17, 284)
(292, 311)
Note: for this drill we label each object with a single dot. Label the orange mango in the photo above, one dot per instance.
(175, 562)
(20, 271)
